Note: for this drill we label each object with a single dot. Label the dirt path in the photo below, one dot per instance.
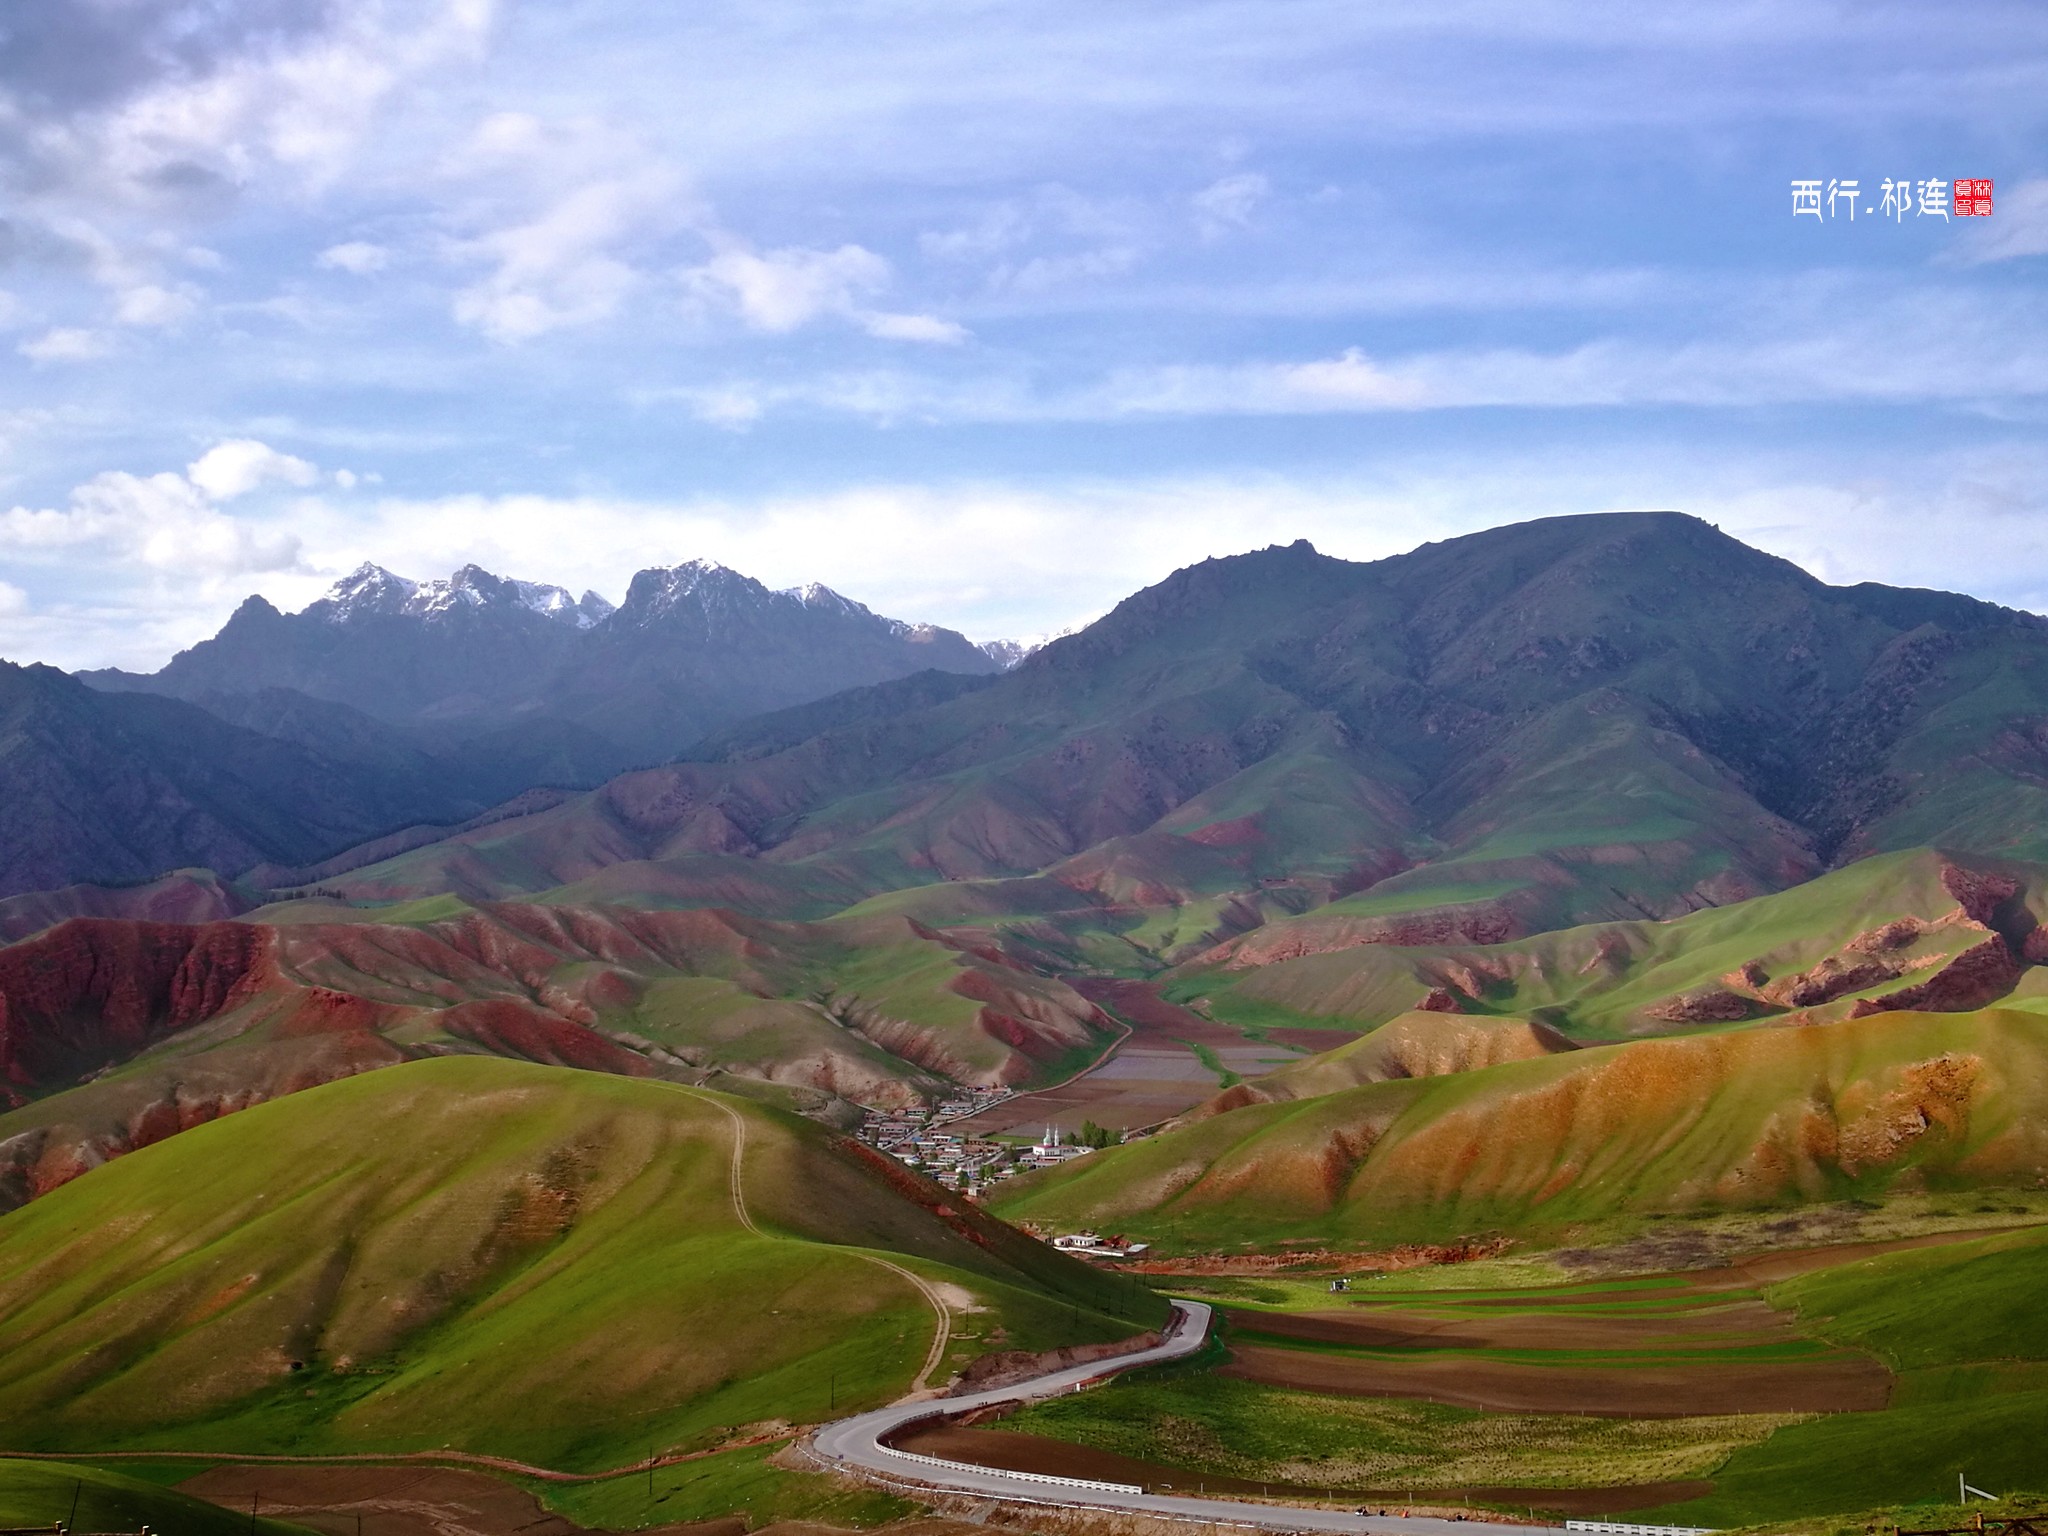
(736, 1186)
(739, 1152)
(940, 1339)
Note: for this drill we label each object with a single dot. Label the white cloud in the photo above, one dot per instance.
(151, 305)
(912, 328)
(561, 212)
(66, 344)
(1227, 204)
(1041, 274)
(778, 291)
(996, 230)
(733, 408)
(357, 256)
(13, 600)
(300, 108)
(238, 466)
(164, 528)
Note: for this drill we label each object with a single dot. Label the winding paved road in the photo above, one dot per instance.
(858, 1442)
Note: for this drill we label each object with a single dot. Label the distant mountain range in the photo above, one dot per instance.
(1565, 721)
(288, 737)
(694, 647)
(1493, 776)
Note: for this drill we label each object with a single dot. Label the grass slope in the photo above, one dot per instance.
(43, 1493)
(1743, 1119)
(1342, 965)
(527, 1261)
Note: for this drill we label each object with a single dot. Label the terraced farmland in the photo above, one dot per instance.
(1830, 1379)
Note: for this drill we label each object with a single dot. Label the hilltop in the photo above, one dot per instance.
(385, 1263)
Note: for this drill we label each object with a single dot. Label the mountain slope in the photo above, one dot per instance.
(1579, 719)
(386, 1263)
(114, 1035)
(693, 648)
(122, 787)
(1956, 934)
(1746, 1119)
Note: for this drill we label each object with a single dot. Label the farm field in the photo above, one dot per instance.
(1825, 1382)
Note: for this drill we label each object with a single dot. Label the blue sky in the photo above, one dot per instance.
(989, 313)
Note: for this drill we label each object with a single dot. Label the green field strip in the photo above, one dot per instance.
(1796, 1351)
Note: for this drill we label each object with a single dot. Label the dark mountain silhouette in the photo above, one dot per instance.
(122, 787)
(572, 687)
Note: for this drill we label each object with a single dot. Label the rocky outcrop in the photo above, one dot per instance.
(1710, 1005)
(1978, 976)
(1480, 923)
(94, 991)
(1979, 893)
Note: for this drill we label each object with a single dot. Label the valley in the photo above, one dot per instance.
(1576, 937)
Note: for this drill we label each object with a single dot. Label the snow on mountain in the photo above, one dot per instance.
(1007, 653)
(370, 589)
(703, 587)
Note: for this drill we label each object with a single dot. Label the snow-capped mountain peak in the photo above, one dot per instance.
(370, 589)
(821, 598)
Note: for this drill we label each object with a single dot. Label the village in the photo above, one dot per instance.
(917, 1138)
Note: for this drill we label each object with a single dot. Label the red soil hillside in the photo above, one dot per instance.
(201, 1020)
(1738, 1120)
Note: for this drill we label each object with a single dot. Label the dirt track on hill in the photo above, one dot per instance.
(1832, 1384)
(1034, 1453)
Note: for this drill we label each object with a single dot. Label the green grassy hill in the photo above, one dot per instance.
(44, 1493)
(1855, 934)
(1414, 1044)
(506, 1258)
(1742, 1119)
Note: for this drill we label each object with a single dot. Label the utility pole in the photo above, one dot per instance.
(254, 1496)
(72, 1524)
